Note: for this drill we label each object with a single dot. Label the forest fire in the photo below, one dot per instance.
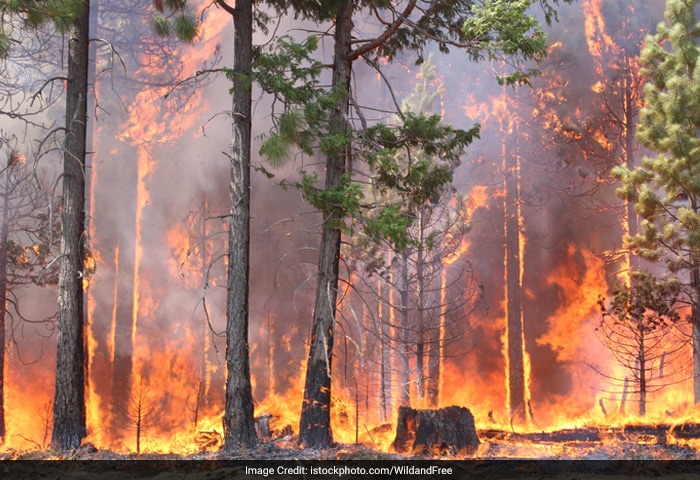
(502, 300)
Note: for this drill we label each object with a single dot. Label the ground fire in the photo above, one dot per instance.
(491, 333)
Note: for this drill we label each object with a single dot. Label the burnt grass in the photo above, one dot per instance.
(572, 445)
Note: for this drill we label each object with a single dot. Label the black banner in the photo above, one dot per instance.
(346, 470)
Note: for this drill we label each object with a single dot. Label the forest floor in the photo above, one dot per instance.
(506, 459)
(495, 460)
(286, 448)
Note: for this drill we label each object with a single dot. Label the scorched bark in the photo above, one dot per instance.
(315, 423)
(239, 424)
(69, 402)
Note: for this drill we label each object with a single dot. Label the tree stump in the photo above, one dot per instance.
(449, 430)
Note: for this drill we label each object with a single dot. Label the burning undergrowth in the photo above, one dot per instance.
(287, 448)
(501, 316)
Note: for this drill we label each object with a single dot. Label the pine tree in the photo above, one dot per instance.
(636, 327)
(665, 189)
(34, 14)
(72, 17)
(69, 422)
(239, 425)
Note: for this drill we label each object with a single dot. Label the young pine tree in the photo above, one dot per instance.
(665, 189)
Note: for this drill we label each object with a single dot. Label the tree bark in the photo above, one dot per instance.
(517, 401)
(239, 422)
(630, 128)
(404, 335)
(449, 430)
(436, 353)
(315, 423)
(420, 312)
(384, 349)
(435, 341)
(695, 323)
(69, 403)
(642, 376)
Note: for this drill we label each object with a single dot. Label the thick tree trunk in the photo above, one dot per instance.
(315, 423)
(448, 430)
(69, 402)
(239, 422)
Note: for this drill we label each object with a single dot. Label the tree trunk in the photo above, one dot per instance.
(69, 402)
(517, 402)
(239, 422)
(404, 335)
(203, 331)
(435, 346)
(437, 343)
(695, 321)
(642, 377)
(315, 424)
(384, 346)
(630, 127)
(3, 295)
(448, 430)
(123, 319)
(420, 307)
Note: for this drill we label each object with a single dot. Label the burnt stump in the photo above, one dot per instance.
(449, 430)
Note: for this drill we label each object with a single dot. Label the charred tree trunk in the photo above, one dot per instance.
(69, 402)
(315, 423)
(517, 402)
(448, 430)
(239, 422)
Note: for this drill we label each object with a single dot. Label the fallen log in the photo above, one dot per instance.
(658, 433)
(448, 430)
(686, 430)
(557, 436)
